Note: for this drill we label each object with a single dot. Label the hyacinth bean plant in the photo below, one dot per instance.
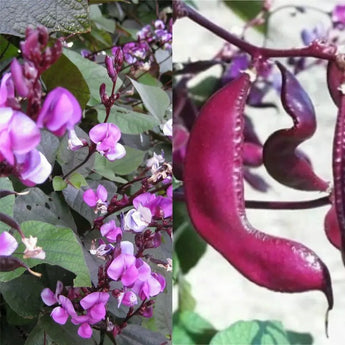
(86, 173)
(226, 140)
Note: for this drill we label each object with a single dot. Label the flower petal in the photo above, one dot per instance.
(8, 244)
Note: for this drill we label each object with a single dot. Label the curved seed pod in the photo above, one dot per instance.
(281, 159)
(10, 263)
(213, 183)
(332, 228)
(339, 172)
(334, 80)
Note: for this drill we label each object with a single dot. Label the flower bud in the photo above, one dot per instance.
(18, 78)
(110, 68)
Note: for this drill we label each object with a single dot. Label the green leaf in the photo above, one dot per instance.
(93, 74)
(203, 90)
(66, 334)
(37, 336)
(135, 335)
(49, 145)
(296, 338)
(77, 180)
(59, 183)
(69, 16)
(154, 98)
(190, 328)
(186, 301)
(23, 295)
(129, 122)
(66, 74)
(101, 22)
(252, 332)
(123, 166)
(6, 203)
(62, 248)
(189, 246)
(246, 12)
(46, 208)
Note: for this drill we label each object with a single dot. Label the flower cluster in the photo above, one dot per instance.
(20, 132)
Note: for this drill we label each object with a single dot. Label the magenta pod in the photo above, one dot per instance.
(281, 159)
(213, 182)
(332, 228)
(339, 171)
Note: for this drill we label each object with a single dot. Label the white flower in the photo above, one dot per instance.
(32, 251)
(167, 128)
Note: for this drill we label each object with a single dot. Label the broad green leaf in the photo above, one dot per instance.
(101, 22)
(204, 89)
(37, 336)
(129, 122)
(66, 74)
(296, 338)
(59, 183)
(94, 75)
(66, 334)
(189, 246)
(49, 146)
(42, 207)
(23, 295)
(62, 248)
(154, 98)
(190, 328)
(6, 203)
(15, 319)
(252, 332)
(123, 166)
(77, 180)
(247, 10)
(68, 16)
(135, 335)
(186, 301)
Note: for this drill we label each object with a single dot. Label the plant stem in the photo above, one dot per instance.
(92, 150)
(314, 50)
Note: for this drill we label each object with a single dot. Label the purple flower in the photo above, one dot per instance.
(309, 36)
(60, 111)
(128, 298)
(156, 204)
(106, 137)
(123, 266)
(145, 34)
(134, 51)
(338, 14)
(118, 57)
(8, 244)
(111, 232)
(61, 313)
(94, 304)
(147, 284)
(33, 167)
(18, 134)
(138, 219)
(6, 90)
(97, 200)
(238, 64)
(49, 297)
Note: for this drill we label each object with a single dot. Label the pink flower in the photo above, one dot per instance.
(338, 14)
(8, 244)
(18, 134)
(33, 168)
(60, 112)
(128, 298)
(123, 266)
(106, 137)
(111, 232)
(148, 284)
(96, 200)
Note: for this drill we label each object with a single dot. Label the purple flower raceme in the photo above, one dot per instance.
(60, 112)
(106, 137)
(134, 51)
(97, 200)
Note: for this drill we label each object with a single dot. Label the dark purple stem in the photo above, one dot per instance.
(255, 51)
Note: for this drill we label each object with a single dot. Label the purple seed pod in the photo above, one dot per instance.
(334, 79)
(339, 171)
(11, 263)
(281, 159)
(332, 228)
(213, 182)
